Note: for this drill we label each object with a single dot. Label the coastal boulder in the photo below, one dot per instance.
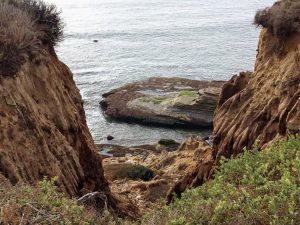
(164, 101)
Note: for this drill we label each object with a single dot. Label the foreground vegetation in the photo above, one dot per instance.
(254, 188)
(44, 204)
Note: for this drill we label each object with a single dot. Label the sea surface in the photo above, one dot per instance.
(137, 39)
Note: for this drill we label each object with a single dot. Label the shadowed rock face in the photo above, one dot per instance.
(165, 101)
(43, 129)
(262, 105)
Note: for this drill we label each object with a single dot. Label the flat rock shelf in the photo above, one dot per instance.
(170, 102)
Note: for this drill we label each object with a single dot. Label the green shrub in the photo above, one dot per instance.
(282, 19)
(255, 188)
(44, 204)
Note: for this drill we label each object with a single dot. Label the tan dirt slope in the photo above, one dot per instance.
(43, 130)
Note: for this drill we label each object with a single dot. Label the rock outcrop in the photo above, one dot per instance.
(254, 108)
(257, 107)
(169, 167)
(164, 101)
(43, 129)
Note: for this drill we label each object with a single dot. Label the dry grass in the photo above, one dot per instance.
(18, 36)
(282, 19)
(25, 27)
(44, 204)
(45, 16)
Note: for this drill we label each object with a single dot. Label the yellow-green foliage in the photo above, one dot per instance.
(43, 204)
(255, 188)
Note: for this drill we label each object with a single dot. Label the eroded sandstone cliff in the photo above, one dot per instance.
(257, 107)
(44, 131)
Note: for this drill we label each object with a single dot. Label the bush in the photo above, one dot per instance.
(131, 171)
(25, 26)
(255, 188)
(43, 204)
(46, 17)
(17, 37)
(282, 19)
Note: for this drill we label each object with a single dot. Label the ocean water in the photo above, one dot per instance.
(196, 39)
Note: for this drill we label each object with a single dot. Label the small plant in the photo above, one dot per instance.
(44, 204)
(46, 17)
(282, 19)
(26, 26)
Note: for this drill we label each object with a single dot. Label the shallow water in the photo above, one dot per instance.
(197, 39)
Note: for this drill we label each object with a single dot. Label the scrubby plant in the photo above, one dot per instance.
(44, 204)
(18, 36)
(282, 19)
(46, 17)
(25, 27)
(254, 188)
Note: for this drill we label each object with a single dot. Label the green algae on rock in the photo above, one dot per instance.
(164, 101)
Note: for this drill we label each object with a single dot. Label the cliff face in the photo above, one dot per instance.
(257, 107)
(43, 129)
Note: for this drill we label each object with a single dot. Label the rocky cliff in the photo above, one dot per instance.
(43, 130)
(257, 107)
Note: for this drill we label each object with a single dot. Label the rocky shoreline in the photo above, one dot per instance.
(147, 173)
(172, 102)
(167, 161)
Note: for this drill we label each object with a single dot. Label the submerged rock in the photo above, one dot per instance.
(165, 101)
(109, 137)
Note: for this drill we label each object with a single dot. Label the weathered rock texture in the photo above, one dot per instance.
(170, 167)
(43, 130)
(264, 104)
(165, 101)
(254, 107)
